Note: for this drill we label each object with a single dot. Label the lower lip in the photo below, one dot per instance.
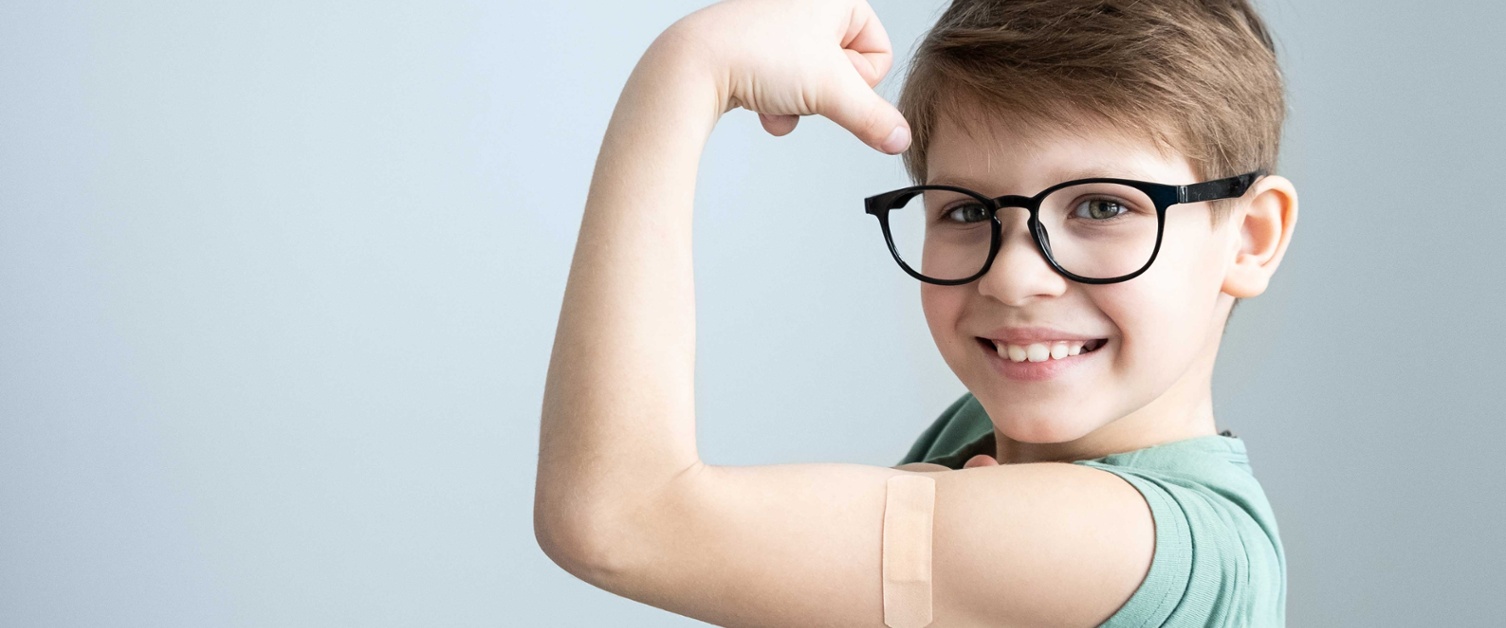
(1028, 371)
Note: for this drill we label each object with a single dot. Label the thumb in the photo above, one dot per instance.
(854, 106)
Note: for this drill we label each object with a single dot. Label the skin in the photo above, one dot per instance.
(623, 499)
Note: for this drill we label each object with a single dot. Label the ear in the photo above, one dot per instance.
(1263, 227)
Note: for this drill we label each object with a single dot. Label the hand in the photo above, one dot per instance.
(789, 58)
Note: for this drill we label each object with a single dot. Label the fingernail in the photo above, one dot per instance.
(898, 140)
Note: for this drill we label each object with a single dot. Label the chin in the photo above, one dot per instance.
(1042, 428)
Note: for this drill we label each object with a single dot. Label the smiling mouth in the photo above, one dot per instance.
(1042, 351)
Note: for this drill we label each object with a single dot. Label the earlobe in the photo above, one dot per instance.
(1263, 228)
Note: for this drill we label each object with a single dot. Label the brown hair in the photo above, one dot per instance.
(1194, 77)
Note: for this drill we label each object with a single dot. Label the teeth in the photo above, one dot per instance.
(1042, 351)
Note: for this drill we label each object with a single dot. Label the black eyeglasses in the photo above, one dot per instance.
(1096, 231)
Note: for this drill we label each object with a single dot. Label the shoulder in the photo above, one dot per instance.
(1218, 555)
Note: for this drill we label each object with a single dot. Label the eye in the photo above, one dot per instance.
(965, 213)
(1100, 209)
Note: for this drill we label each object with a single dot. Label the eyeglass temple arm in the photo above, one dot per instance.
(1222, 188)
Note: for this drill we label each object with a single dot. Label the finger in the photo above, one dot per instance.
(778, 125)
(871, 66)
(980, 460)
(852, 104)
(866, 36)
(864, 31)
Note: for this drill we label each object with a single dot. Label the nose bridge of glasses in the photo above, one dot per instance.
(1018, 267)
(1014, 205)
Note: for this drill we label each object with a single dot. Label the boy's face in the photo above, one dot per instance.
(1161, 328)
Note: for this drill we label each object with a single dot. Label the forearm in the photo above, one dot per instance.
(618, 419)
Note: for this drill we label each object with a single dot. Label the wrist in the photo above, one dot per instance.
(681, 54)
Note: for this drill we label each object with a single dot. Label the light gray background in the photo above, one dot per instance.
(278, 283)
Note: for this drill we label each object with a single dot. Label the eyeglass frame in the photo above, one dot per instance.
(1162, 194)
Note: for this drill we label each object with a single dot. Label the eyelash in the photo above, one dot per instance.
(1125, 206)
(965, 205)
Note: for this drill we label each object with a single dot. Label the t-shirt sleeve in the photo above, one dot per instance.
(960, 426)
(1200, 572)
(924, 443)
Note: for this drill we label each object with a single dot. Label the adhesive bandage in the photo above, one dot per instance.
(909, 506)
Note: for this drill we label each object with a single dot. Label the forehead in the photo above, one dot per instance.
(998, 156)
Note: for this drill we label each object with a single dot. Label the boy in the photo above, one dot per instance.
(1096, 193)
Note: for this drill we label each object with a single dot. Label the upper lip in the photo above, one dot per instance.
(1027, 335)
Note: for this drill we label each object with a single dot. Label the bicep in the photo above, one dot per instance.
(1049, 544)
(801, 544)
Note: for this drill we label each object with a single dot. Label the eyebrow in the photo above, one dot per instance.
(1086, 172)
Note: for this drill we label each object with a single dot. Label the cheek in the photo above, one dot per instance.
(1165, 311)
(1201, 252)
(1148, 309)
(936, 305)
(1132, 308)
(943, 307)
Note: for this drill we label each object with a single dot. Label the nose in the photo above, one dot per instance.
(1019, 272)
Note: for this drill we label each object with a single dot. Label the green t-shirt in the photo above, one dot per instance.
(1218, 558)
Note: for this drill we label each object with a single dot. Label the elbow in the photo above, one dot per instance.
(578, 545)
(610, 547)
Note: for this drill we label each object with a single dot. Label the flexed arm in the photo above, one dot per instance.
(618, 416)
(623, 499)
